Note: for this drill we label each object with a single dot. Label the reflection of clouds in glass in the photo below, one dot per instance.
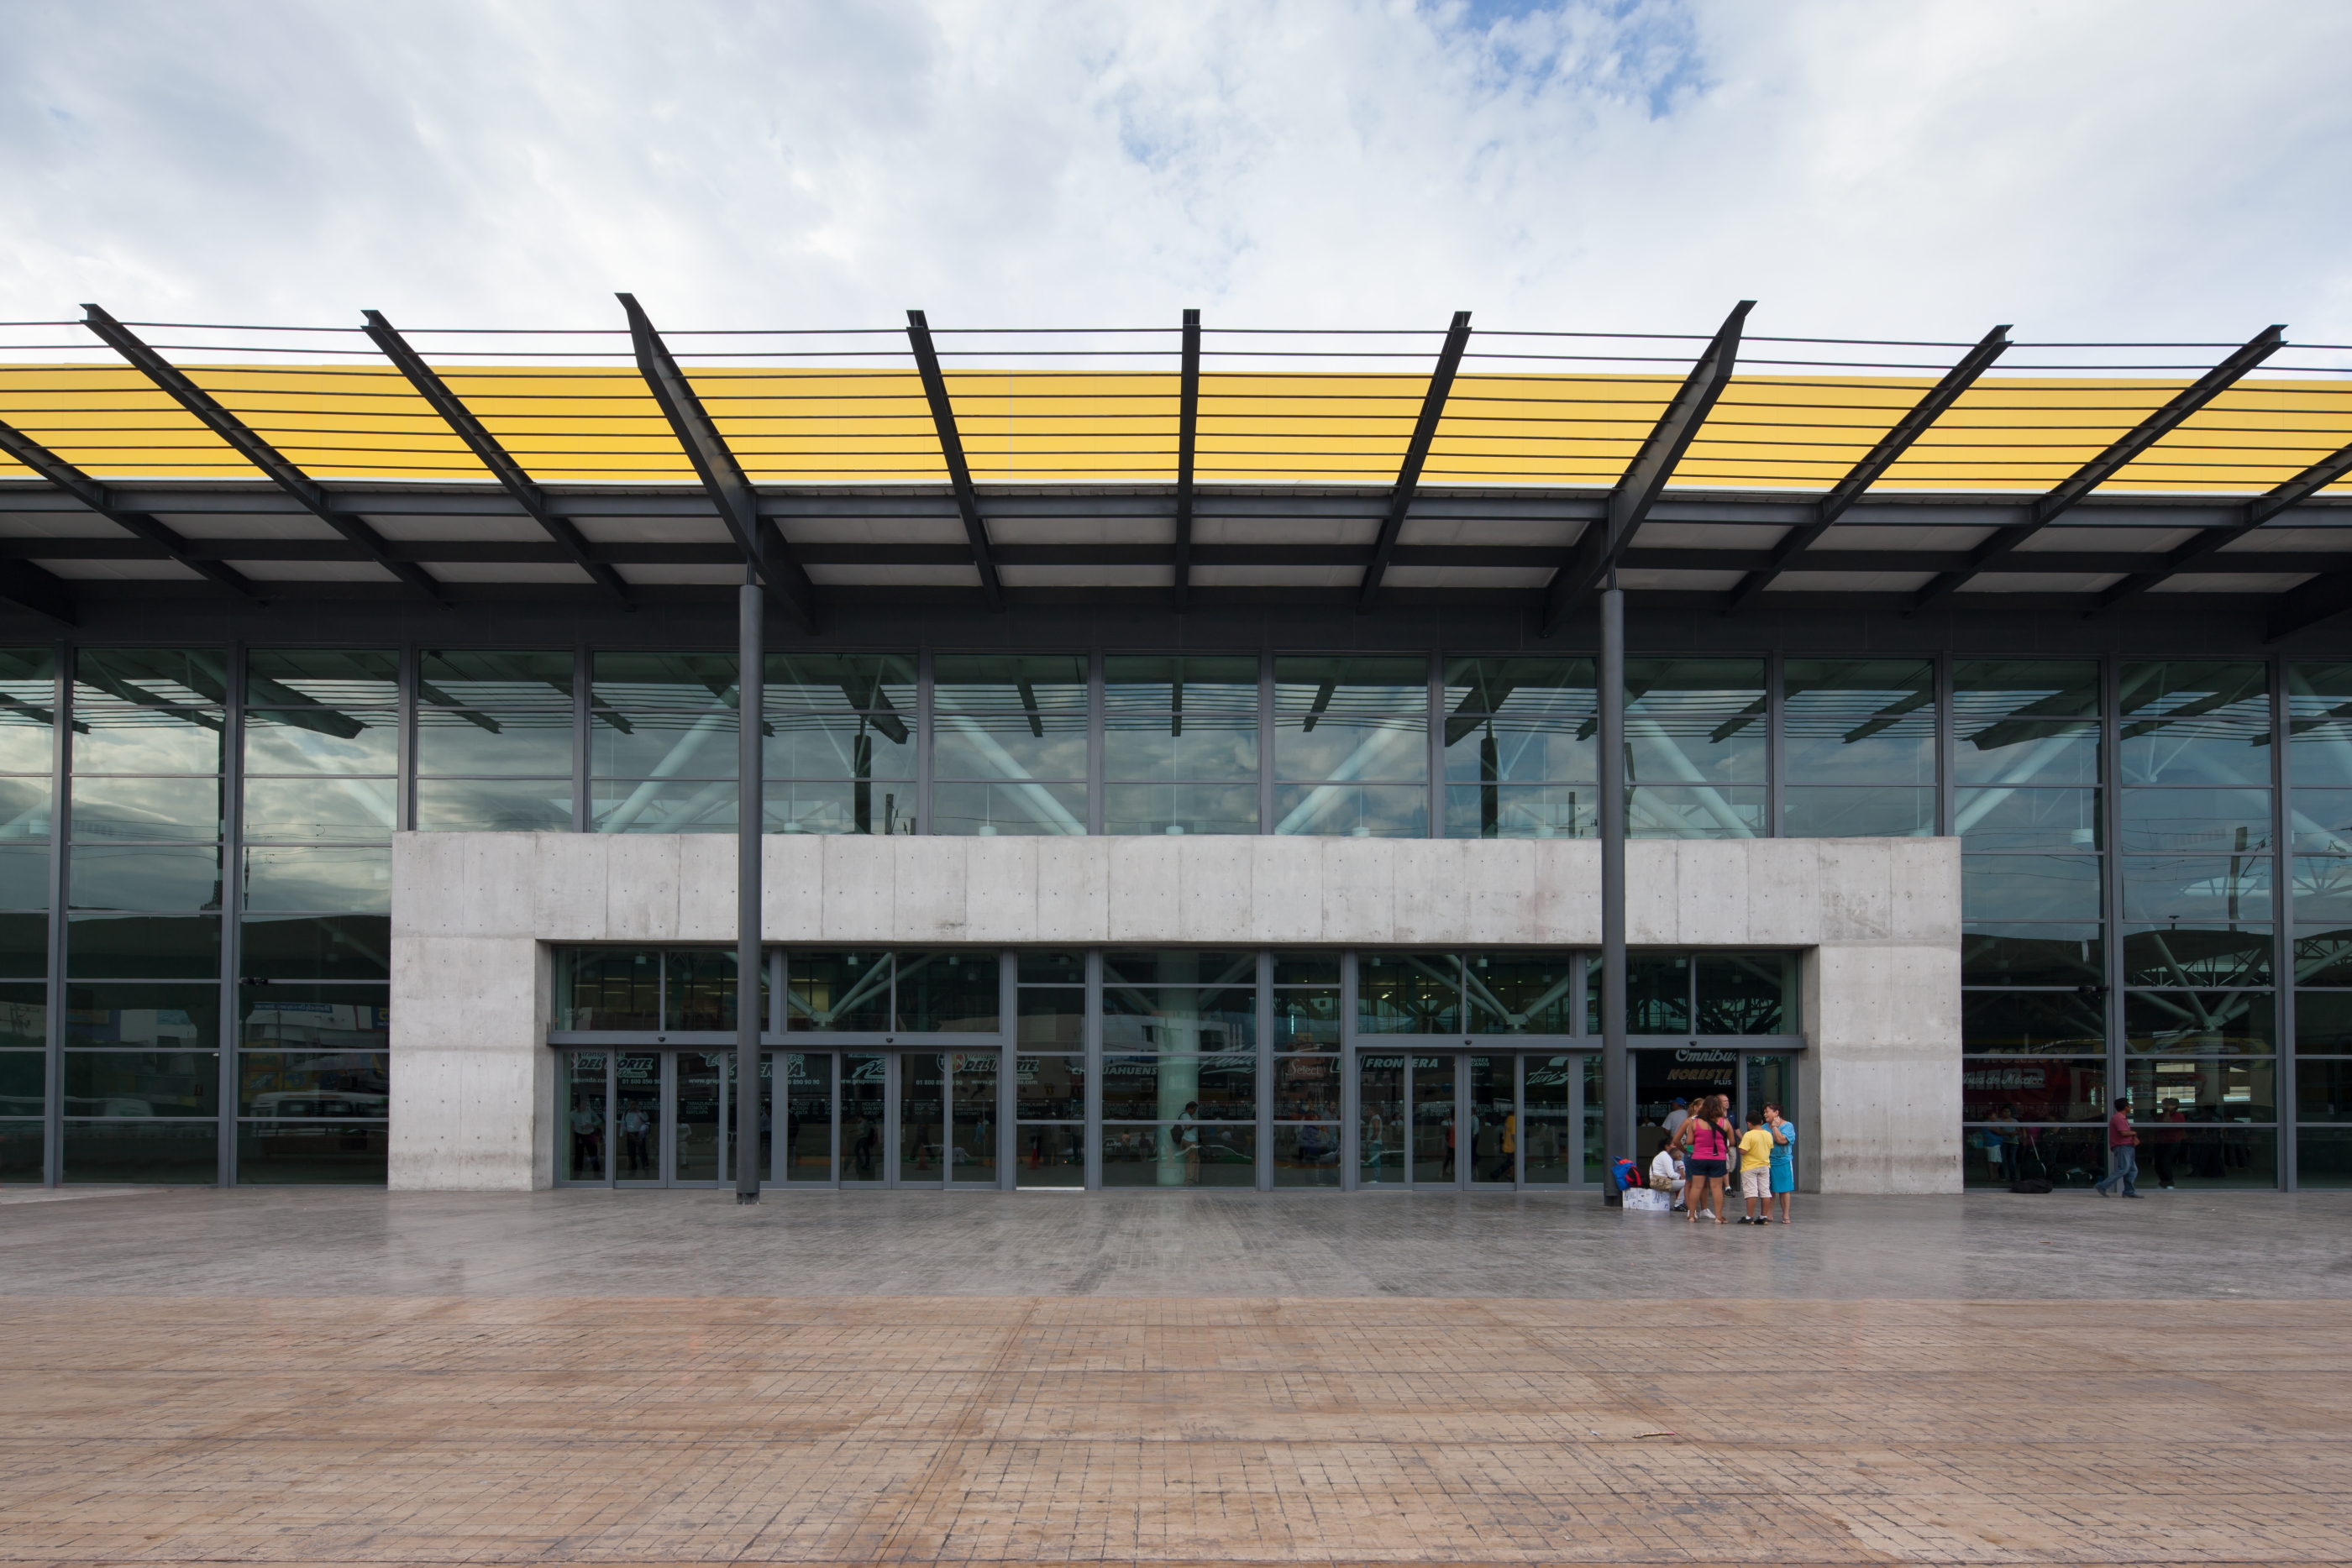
(273, 747)
(171, 810)
(138, 742)
(320, 809)
(290, 879)
(157, 878)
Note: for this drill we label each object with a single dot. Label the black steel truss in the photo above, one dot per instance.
(761, 543)
(2003, 542)
(1874, 465)
(1604, 541)
(1416, 453)
(2198, 553)
(484, 445)
(250, 447)
(967, 498)
(212, 550)
(163, 540)
(1188, 431)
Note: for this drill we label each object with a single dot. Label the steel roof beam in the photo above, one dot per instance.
(1874, 465)
(485, 446)
(1188, 431)
(2259, 510)
(967, 499)
(2127, 447)
(765, 548)
(249, 445)
(2307, 604)
(1416, 453)
(1603, 545)
(94, 494)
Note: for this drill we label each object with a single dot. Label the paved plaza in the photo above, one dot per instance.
(355, 1378)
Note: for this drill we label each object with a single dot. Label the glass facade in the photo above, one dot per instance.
(1161, 1068)
(195, 869)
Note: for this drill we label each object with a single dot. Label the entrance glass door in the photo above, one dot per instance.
(1433, 1151)
(638, 1116)
(696, 1125)
(923, 1118)
(1491, 1121)
(917, 1118)
(865, 1118)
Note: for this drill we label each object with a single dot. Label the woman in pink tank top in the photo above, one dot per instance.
(1709, 1136)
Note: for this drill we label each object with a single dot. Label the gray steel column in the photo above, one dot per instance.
(1616, 1086)
(53, 1073)
(2290, 1171)
(751, 699)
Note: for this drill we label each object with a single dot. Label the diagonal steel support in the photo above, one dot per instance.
(975, 526)
(723, 479)
(2258, 511)
(2132, 445)
(484, 445)
(1874, 465)
(1416, 453)
(94, 494)
(249, 445)
(1595, 556)
(1188, 432)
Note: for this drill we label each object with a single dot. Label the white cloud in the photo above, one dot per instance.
(2127, 168)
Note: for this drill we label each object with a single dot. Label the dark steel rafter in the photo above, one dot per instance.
(1596, 555)
(249, 445)
(2307, 604)
(764, 549)
(1416, 453)
(508, 472)
(1874, 465)
(1188, 431)
(2259, 510)
(2105, 466)
(975, 526)
(141, 526)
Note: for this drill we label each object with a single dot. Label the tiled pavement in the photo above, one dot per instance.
(509, 1426)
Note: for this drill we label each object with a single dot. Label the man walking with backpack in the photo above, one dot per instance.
(2123, 1153)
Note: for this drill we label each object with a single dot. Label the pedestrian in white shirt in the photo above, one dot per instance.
(1666, 1174)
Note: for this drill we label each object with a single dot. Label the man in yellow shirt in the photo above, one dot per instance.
(1756, 1171)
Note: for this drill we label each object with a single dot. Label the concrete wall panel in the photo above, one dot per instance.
(472, 913)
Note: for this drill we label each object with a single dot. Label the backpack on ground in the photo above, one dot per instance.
(2029, 1183)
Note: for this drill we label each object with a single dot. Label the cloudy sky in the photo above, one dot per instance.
(1916, 168)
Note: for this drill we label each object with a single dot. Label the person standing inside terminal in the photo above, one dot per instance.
(2123, 1153)
(2168, 1138)
(1675, 1120)
(1784, 1159)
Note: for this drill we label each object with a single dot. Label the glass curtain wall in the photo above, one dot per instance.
(141, 1081)
(1180, 1068)
(1698, 741)
(1307, 1086)
(2027, 767)
(838, 755)
(1859, 747)
(28, 730)
(321, 797)
(1009, 743)
(1521, 761)
(662, 743)
(2195, 858)
(1180, 744)
(494, 741)
(1049, 1077)
(1351, 748)
(2319, 830)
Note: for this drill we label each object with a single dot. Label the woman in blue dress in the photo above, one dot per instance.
(1784, 1161)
